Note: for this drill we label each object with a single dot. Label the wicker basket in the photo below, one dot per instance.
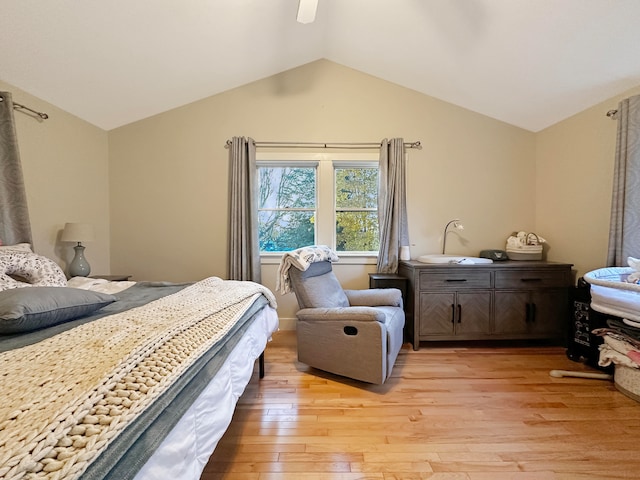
(531, 251)
(627, 380)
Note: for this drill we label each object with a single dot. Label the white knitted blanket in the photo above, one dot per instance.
(65, 398)
(301, 259)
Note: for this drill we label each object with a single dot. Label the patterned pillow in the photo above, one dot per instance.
(18, 247)
(34, 269)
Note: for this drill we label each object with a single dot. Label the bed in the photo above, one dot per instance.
(123, 380)
(613, 294)
(615, 291)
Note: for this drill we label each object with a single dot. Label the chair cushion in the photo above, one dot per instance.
(320, 291)
(315, 269)
(348, 314)
(375, 297)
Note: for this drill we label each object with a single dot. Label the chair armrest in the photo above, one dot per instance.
(375, 297)
(353, 314)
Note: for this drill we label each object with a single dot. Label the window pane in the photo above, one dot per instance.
(287, 187)
(357, 231)
(356, 187)
(280, 231)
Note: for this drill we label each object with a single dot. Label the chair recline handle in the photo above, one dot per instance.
(350, 330)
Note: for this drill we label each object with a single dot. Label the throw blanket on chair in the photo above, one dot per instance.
(65, 398)
(301, 259)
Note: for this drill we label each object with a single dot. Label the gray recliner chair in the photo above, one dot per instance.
(353, 333)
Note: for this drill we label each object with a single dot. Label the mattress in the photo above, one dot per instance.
(190, 410)
(612, 295)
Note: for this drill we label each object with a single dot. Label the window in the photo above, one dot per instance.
(286, 207)
(310, 199)
(356, 207)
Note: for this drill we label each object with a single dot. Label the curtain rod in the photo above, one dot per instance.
(612, 114)
(346, 145)
(42, 115)
(17, 106)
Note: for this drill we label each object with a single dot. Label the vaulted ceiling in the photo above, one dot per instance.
(530, 63)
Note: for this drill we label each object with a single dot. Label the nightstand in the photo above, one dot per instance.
(389, 280)
(393, 280)
(113, 278)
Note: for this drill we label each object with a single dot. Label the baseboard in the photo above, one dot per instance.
(288, 323)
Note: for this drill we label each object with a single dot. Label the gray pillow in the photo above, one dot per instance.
(30, 308)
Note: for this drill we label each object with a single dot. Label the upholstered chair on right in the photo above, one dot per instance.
(353, 333)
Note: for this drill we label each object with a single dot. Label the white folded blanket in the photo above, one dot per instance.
(98, 284)
(301, 259)
(524, 239)
(634, 277)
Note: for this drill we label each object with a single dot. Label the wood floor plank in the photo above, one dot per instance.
(314, 476)
(448, 412)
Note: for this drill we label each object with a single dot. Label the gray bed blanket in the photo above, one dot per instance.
(188, 333)
(136, 444)
(139, 294)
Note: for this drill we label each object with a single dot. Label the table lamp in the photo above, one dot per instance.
(78, 232)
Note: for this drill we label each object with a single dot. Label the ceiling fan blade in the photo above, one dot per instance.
(307, 11)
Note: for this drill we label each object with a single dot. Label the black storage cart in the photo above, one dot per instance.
(582, 344)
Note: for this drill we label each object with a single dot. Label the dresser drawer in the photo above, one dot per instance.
(531, 279)
(455, 280)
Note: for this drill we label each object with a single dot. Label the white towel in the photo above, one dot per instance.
(301, 258)
(634, 277)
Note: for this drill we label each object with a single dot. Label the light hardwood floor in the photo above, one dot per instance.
(449, 412)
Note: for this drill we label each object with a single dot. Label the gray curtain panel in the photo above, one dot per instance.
(624, 231)
(14, 213)
(244, 250)
(392, 204)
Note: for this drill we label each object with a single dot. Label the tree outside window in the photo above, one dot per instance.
(323, 200)
(356, 199)
(286, 207)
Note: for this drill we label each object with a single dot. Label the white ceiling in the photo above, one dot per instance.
(530, 63)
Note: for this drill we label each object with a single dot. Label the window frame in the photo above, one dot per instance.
(325, 190)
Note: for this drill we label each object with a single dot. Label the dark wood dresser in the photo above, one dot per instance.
(496, 301)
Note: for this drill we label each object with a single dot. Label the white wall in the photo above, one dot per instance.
(169, 184)
(65, 166)
(574, 178)
(156, 190)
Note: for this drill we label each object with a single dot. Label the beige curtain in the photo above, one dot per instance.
(244, 250)
(392, 205)
(14, 213)
(624, 231)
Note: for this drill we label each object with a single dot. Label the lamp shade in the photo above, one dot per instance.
(77, 232)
